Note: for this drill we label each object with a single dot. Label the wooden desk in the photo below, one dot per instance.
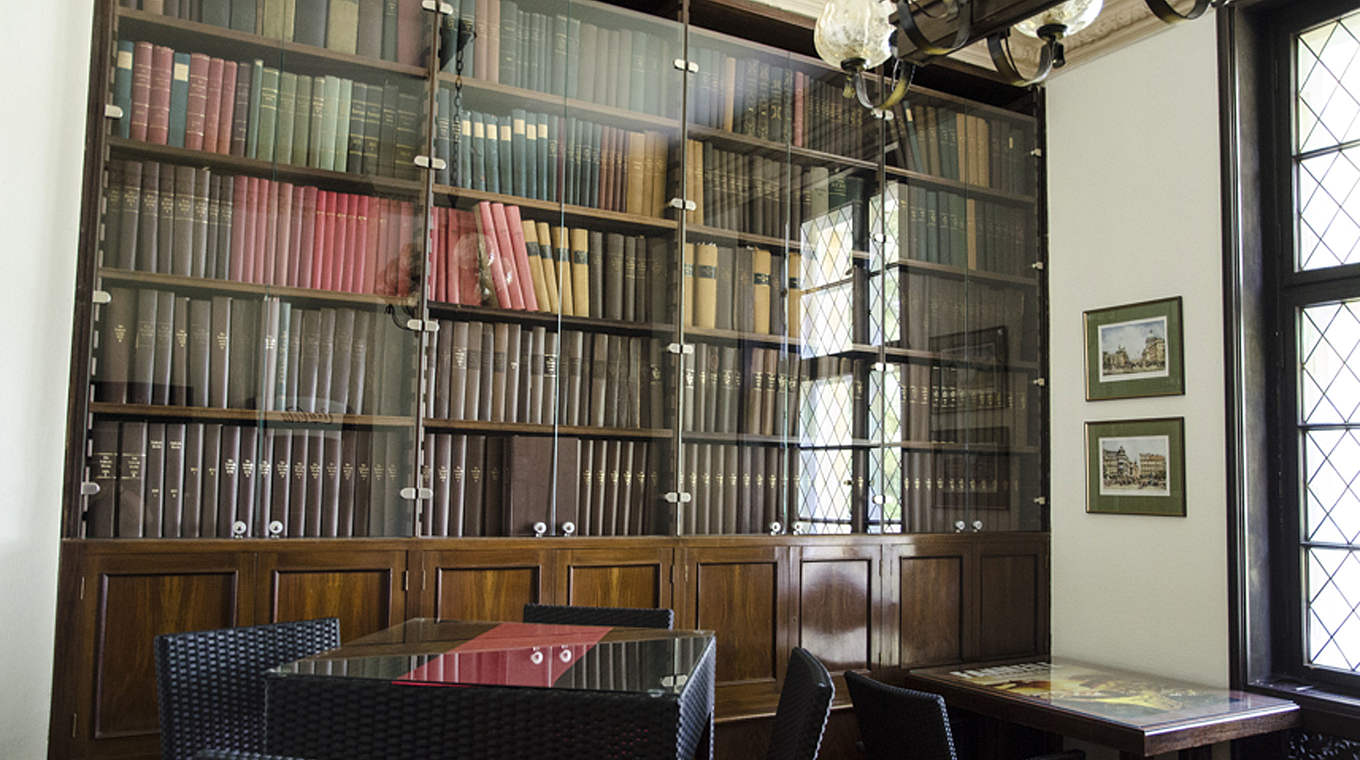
(1138, 714)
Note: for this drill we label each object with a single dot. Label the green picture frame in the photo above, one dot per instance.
(1135, 350)
(1136, 467)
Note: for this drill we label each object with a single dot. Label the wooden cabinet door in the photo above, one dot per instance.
(1012, 590)
(744, 594)
(482, 584)
(838, 615)
(930, 608)
(364, 588)
(123, 601)
(622, 577)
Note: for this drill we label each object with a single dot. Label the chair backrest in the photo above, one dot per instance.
(211, 684)
(804, 704)
(232, 754)
(892, 719)
(632, 617)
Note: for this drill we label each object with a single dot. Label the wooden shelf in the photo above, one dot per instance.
(962, 188)
(210, 285)
(548, 319)
(249, 415)
(233, 45)
(694, 436)
(895, 354)
(526, 428)
(737, 336)
(519, 97)
(702, 232)
(930, 267)
(550, 209)
(970, 448)
(122, 147)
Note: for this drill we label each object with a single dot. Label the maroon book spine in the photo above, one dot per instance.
(268, 231)
(240, 118)
(141, 90)
(410, 22)
(239, 191)
(301, 275)
(212, 104)
(162, 68)
(226, 109)
(283, 232)
(248, 232)
(196, 118)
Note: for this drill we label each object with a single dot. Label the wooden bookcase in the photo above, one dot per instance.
(845, 335)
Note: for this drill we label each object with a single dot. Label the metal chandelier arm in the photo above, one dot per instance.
(906, 23)
(1005, 63)
(1163, 10)
(899, 91)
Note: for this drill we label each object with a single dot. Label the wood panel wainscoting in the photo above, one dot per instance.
(878, 603)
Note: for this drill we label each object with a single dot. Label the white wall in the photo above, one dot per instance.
(1133, 161)
(42, 124)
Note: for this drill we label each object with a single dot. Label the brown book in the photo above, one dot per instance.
(164, 347)
(228, 481)
(573, 402)
(513, 365)
(598, 375)
(493, 477)
(102, 506)
(143, 348)
(439, 455)
(584, 488)
(613, 276)
(499, 365)
(205, 521)
(771, 386)
(470, 508)
(687, 286)
(528, 494)
(488, 368)
(132, 487)
(118, 329)
(637, 158)
(247, 480)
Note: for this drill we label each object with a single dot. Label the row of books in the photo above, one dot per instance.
(195, 222)
(391, 30)
(933, 403)
(498, 372)
(734, 489)
(964, 320)
(618, 487)
(264, 354)
(730, 390)
(491, 256)
(950, 228)
(969, 148)
(548, 157)
(248, 109)
(178, 480)
(742, 288)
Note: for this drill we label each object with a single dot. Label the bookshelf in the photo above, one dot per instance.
(840, 284)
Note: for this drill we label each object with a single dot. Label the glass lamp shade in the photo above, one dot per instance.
(853, 29)
(1076, 15)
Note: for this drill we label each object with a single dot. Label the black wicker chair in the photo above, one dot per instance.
(632, 617)
(231, 754)
(804, 704)
(902, 724)
(211, 686)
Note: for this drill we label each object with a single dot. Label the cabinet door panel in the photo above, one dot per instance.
(930, 610)
(481, 585)
(363, 589)
(615, 577)
(837, 601)
(742, 596)
(1010, 604)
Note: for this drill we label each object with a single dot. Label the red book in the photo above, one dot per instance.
(382, 240)
(306, 257)
(290, 271)
(239, 207)
(391, 251)
(432, 267)
(319, 240)
(508, 264)
(271, 233)
(252, 213)
(194, 126)
(330, 262)
(283, 230)
(526, 286)
(441, 253)
(405, 245)
(212, 106)
(162, 69)
(486, 227)
(226, 111)
(451, 290)
(363, 265)
(354, 276)
(261, 232)
(468, 258)
(141, 90)
(344, 257)
(410, 24)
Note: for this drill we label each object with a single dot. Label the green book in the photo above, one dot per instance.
(467, 21)
(931, 227)
(510, 47)
(310, 27)
(122, 87)
(464, 178)
(764, 97)
(342, 115)
(389, 32)
(409, 132)
(580, 173)
(587, 57)
(637, 78)
(179, 99)
(623, 76)
(277, 21)
(492, 152)
(518, 156)
(283, 149)
(478, 151)
(958, 230)
(329, 117)
(653, 99)
(529, 154)
(269, 113)
(253, 109)
(443, 135)
(342, 27)
(243, 17)
(354, 160)
(387, 134)
(593, 162)
(573, 55)
(559, 59)
(372, 127)
(571, 166)
(507, 158)
(302, 120)
(314, 151)
(547, 148)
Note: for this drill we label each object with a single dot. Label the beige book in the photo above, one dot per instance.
(706, 286)
(580, 272)
(760, 280)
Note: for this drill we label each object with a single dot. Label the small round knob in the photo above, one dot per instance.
(275, 529)
(799, 528)
(977, 526)
(775, 528)
(540, 529)
(537, 657)
(569, 528)
(959, 526)
(239, 529)
(564, 655)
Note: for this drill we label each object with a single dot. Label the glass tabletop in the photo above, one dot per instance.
(1139, 700)
(424, 651)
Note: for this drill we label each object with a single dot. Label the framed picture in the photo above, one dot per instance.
(1134, 350)
(1136, 467)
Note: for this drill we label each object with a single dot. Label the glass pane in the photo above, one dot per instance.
(253, 371)
(1333, 631)
(1329, 385)
(1327, 115)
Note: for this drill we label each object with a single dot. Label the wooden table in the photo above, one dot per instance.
(1138, 714)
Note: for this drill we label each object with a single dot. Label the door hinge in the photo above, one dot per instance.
(405, 580)
(82, 588)
(422, 580)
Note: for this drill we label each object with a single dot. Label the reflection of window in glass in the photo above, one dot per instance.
(827, 240)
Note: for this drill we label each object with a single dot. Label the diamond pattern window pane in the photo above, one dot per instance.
(1328, 207)
(1333, 618)
(1332, 486)
(1330, 347)
(824, 490)
(1328, 97)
